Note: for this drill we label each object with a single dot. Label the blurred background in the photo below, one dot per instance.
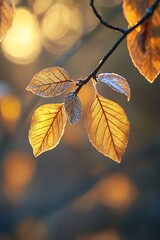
(73, 192)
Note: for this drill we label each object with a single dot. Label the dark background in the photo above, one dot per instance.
(73, 191)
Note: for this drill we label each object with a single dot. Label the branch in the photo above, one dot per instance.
(149, 13)
(102, 21)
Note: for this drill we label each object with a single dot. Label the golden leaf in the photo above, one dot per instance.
(47, 127)
(6, 16)
(73, 107)
(144, 42)
(107, 127)
(135, 10)
(49, 82)
(116, 82)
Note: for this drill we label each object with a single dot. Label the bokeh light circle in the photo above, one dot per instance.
(22, 44)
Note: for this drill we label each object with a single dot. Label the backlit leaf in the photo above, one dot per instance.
(144, 42)
(73, 107)
(116, 82)
(135, 10)
(50, 82)
(47, 127)
(6, 16)
(107, 127)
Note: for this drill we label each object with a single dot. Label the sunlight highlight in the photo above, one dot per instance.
(60, 34)
(40, 6)
(110, 234)
(16, 2)
(116, 191)
(22, 44)
(10, 108)
(89, 20)
(31, 229)
(19, 169)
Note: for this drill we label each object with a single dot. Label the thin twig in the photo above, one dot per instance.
(102, 21)
(149, 13)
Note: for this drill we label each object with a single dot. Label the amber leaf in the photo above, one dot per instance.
(47, 127)
(144, 42)
(50, 82)
(6, 16)
(107, 127)
(116, 82)
(73, 107)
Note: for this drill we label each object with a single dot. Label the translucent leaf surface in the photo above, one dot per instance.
(47, 127)
(107, 127)
(144, 42)
(116, 82)
(73, 107)
(50, 82)
(6, 16)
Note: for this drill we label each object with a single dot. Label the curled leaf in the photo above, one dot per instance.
(116, 82)
(49, 82)
(6, 16)
(47, 127)
(144, 42)
(73, 107)
(145, 54)
(107, 127)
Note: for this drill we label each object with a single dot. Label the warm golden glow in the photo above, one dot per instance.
(55, 30)
(89, 19)
(112, 3)
(40, 6)
(31, 229)
(55, 78)
(16, 1)
(10, 108)
(64, 31)
(143, 43)
(107, 127)
(78, 135)
(117, 191)
(22, 44)
(47, 127)
(7, 12)
(78, 132)
(86, 99)
(18, 171)
(110, 234)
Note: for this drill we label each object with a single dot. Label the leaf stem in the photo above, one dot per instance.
(149, 13)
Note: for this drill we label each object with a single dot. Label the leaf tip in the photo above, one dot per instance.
(128, 97)
(118, 160)
(37, 153)
(72, 122)
(28, 88)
